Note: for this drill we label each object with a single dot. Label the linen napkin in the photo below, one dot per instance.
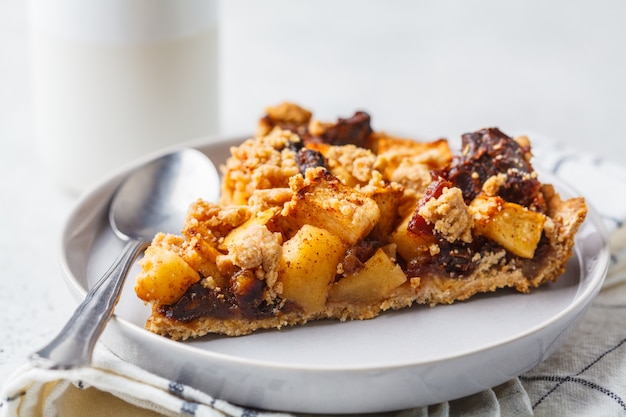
(585, 377)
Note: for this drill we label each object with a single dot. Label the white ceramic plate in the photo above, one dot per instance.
(401, 359)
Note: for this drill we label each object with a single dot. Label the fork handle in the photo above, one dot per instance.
(73, 346)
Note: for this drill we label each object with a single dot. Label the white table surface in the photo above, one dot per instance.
(442, 68)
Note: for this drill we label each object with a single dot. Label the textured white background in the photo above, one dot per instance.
(421, 68)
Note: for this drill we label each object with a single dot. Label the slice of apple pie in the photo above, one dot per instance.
(334, 220)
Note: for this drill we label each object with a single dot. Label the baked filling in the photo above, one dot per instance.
(335, 220)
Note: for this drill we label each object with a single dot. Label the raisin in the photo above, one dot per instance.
(355, 130)
(435, 189)
(295, 145)
(309, 158)
(418, 267)
(357, 255)
(455, 259)
(419, 226)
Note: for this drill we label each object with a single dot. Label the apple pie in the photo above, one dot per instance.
(333, 220)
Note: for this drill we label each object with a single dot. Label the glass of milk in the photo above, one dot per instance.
(116, 79)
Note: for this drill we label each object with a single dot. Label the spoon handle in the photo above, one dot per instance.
(73, 346)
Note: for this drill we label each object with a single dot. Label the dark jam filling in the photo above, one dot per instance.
(457, 260)
(485, 153)
(198, 302)
(490, 152)
(454, 259)
(244, 298)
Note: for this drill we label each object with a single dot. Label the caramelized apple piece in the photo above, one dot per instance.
(164, 277)
(323, 201)
(511, 225)
(379, 276)
(308, 267)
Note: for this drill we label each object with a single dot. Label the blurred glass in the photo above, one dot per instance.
(115, 79)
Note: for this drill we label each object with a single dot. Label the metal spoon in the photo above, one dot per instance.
(154, 198)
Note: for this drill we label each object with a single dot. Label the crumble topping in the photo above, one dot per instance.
(263, 163)
(493, 183)
(352, 164)
(414, 177)
(265, 253)
(449, 215)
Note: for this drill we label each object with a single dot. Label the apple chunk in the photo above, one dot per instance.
(164, 276)
(511, 225)
(323, 201)
(308, 266)
(410, 245)
(379, 276)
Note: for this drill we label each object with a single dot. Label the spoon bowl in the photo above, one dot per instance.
(153, 198)
(156, 196)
